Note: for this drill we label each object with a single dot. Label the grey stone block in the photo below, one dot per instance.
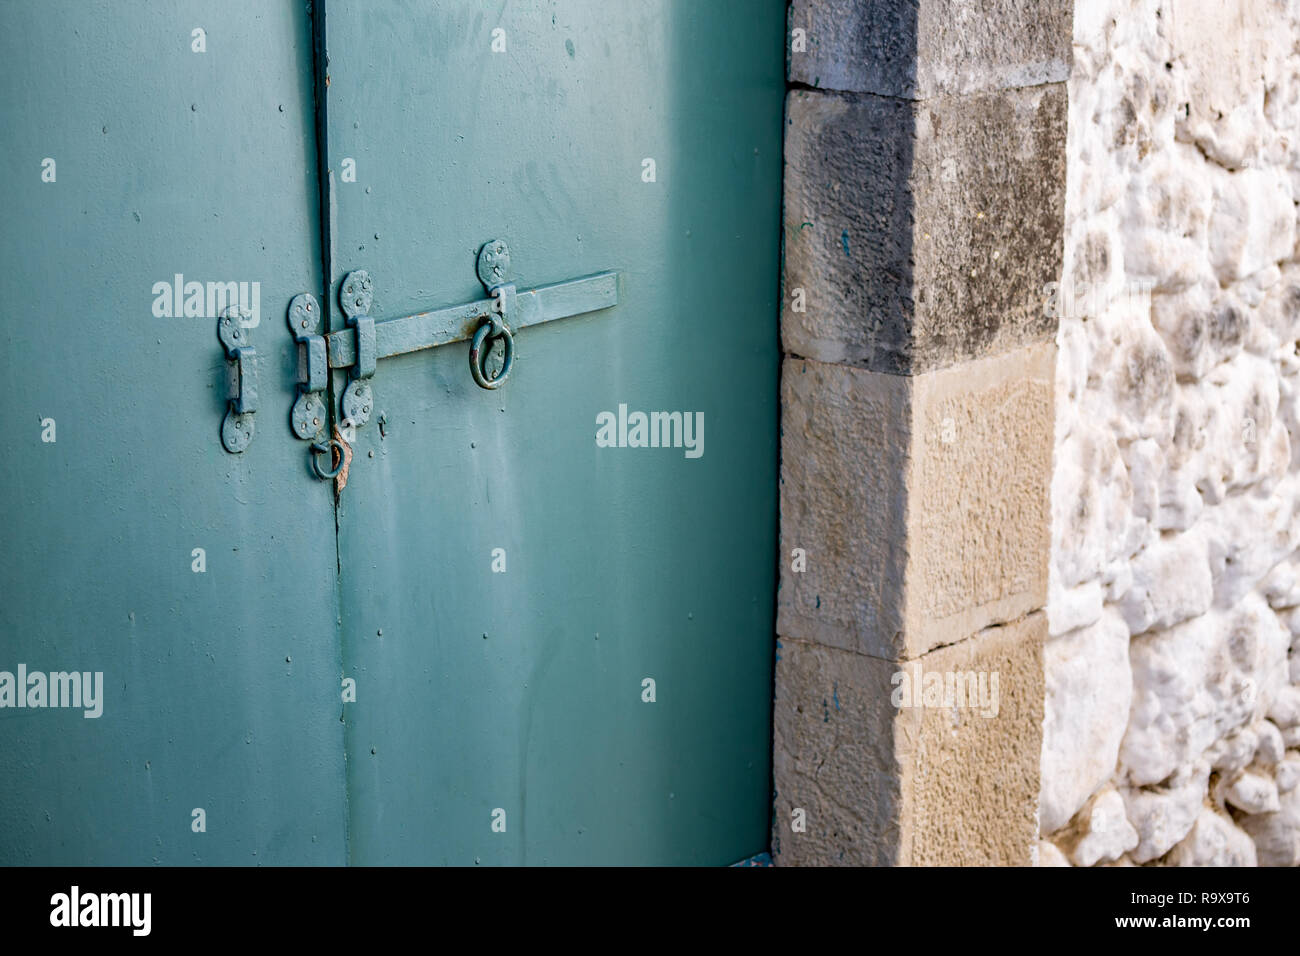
(929, 47)
(921, 233)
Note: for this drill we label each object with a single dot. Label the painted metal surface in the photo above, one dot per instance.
(515, 697)
(201, 584)
(561, 651)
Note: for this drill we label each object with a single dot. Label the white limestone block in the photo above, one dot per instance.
(1108, 833)
(1089, 687)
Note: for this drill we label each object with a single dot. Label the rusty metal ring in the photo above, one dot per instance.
(323, 447)
(489, 332)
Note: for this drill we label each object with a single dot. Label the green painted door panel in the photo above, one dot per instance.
(221, 688)
(522, 691)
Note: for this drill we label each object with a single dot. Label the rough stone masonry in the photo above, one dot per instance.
(1172, 724)
(929, 187)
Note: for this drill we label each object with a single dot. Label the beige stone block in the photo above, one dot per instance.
(947, 782)
(970, 776)
(833, 758)
(921, 502)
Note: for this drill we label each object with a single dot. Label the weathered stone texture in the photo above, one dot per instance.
(922, 49)
(922, 233)
(833, 757)
(1176, 494)
(969, 781)
(882, 785)
(1089, 689)
(846, 441)
(924, 198)
(921, 501)
(979, 522)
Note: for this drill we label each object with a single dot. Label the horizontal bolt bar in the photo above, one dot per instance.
(428, 330)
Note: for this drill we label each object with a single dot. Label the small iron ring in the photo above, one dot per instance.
(320, 448)
(487, 333)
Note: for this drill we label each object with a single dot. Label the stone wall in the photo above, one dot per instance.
(1172, 726)
(924, 208)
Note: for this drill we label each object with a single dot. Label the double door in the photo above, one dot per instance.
(534, 623)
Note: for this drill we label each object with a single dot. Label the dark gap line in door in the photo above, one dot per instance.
(325, 218)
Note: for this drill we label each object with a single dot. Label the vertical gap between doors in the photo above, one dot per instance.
(326, 218)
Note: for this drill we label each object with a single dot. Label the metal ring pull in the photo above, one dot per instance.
(489, 332)
(324, 447)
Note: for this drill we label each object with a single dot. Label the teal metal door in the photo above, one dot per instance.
(642, 138)
(535, 623)
(198, 583)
